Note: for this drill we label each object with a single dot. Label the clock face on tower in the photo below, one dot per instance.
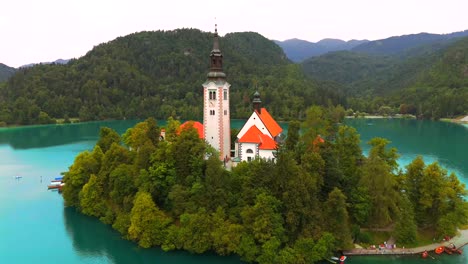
(211, 104)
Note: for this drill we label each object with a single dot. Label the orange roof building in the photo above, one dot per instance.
(195, 124)
(259, 135)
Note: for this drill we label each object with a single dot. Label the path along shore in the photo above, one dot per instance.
(459, 241)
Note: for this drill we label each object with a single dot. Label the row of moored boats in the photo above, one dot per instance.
(57, 183)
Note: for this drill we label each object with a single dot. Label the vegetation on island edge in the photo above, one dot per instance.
(312, 200)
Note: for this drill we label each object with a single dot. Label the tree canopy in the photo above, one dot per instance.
(176, 194)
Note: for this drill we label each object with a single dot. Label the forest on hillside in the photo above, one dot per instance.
(159, 74)
(429, 81)
(312, 200)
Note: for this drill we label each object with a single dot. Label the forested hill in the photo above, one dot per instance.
(6, 72)
(400, 44)
(430, 81)
(158, 74)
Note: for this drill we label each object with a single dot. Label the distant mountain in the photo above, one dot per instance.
(6, 72)
(298, 50)
(59, 61)
(401, 44)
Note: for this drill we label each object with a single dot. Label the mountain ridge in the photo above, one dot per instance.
(6, 72)
(58, 61)
(298, 50)
(399, 44)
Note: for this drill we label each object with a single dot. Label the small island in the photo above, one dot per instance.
(317, 197)
(274, 199)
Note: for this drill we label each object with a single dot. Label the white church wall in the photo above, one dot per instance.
(266, 154)
(248, 151)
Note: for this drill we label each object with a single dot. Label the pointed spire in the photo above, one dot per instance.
(216, 40)
(257, 102)
(216, 68)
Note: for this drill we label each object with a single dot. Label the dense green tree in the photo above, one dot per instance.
(337, 220)
(195, 231)
(380, 182)
(187, 152)
(293, 135)
(405, 227)
(78, 175)
(147, 222)
(122, 183)
(315, 124)
(216, 184)
(350, 157)
(91, 202)
(107, 136)
(269, 251)
(379, 149)
(263, 220)
(413, 179)
(226, 235)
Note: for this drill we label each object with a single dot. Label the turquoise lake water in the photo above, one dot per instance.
(36, 228)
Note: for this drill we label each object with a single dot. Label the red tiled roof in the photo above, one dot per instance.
(269, 122)
(254, 135)
(197, 125)
(251, 136)
(267, 142)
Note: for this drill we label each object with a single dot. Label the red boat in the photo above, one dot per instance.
(424, 254)
(439, 250)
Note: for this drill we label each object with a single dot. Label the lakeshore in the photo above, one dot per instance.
(48, 150)
(459, 241)
(460, 120)
(381, 117)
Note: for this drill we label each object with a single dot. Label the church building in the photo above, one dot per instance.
(259, 135)
(216, 116)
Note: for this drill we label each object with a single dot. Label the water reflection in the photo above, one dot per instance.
(92, 240)
(53, 135)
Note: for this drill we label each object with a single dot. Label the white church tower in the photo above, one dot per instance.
(216, 116)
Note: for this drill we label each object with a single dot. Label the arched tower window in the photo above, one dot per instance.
(249, 151)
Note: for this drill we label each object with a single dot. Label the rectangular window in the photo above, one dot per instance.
(212, 112)
(212, 95)
(225, 94)
(225, 112)
(249, 158)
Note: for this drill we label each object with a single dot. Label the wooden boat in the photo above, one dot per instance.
(55, 185)
(439, 250)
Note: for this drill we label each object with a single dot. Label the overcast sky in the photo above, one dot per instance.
(46, 30)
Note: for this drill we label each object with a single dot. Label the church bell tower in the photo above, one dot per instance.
(216, 115)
